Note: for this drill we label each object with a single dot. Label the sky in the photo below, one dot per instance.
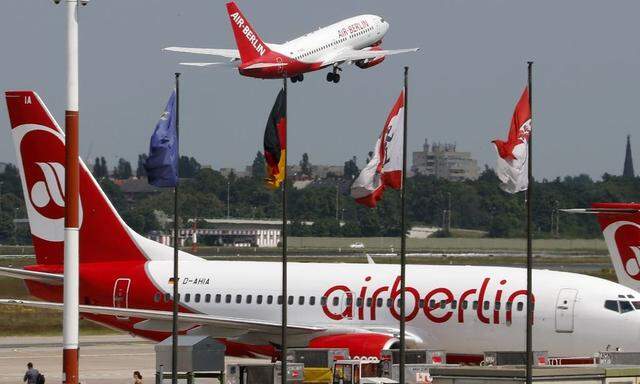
(463, 83)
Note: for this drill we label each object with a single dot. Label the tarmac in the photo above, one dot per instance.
(103, 359)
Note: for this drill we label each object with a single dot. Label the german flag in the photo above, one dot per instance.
(275, 142)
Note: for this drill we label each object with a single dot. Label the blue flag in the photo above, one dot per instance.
(162, 163)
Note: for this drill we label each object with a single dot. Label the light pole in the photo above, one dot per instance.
(71, 287)
(228, 206)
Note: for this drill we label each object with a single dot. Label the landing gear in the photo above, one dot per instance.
(297, 78)
(333, 77)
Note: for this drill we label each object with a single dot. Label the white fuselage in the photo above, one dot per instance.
(353, 33)
(570, 314)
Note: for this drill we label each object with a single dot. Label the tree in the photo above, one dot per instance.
(104, 171)
(123, 170)
(140, 171)
(351, 170)
(305, 165)
(188, 167)
(258, 171)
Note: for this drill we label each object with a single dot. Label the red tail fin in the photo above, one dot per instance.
(620, 223)
(249, 44)
(40, 149)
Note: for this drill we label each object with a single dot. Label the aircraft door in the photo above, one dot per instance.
(121, 295)
(565, 306)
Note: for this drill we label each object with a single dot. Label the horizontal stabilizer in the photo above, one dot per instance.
(229, 53)
(42, 277)
(604, 211)
(224, 65)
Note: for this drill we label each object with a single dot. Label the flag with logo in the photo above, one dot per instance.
(513, 154)
(275, 142)
(162, 163)
(385, 166)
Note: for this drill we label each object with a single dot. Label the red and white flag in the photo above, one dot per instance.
(513, 154)
(385, 167)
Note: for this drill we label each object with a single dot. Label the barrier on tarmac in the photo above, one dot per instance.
(198, 356)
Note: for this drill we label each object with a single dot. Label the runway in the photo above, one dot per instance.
(103, 359)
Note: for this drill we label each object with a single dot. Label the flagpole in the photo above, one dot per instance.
(176, 237)
(284, 248)
(529, 344)
(403, 232)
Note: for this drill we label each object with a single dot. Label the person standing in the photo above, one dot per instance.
(31, 376)
(137, 377)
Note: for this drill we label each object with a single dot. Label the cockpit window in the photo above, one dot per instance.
(611, 305)
(625, 306)
(621, 306)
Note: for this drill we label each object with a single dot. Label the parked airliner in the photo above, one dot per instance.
(354, 40)
(126, 282)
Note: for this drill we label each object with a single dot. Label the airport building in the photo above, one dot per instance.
(445, 161)
(228, 233)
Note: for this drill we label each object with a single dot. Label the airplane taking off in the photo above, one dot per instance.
(126, 282)
(354, 40)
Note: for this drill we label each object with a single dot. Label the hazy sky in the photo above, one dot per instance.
(463, 87)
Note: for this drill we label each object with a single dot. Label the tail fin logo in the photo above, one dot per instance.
(623, 241)
(42, 158)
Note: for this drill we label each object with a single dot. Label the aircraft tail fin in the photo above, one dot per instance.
(620, 224)
(40, 150)
(250, 45)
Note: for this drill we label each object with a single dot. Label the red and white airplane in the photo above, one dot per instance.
(125, 282)
(354, 40)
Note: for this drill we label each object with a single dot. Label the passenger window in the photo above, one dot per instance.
(335, 301)
(301, 300)
(187, 297)
(359, 302)
(509, 305)
(443, 304)
(475, 304)
(497, 305)
(270, 299)
(312, 300)
(369, 302)
(157, 297)
(207, 298)
(259, 299)
(486, 305)
(389, 303)
(323, 301)
(520, 306)
(421, 303)
(290, 300)
(197, 298)
(227, 299)
(625, 306)
(279, 299)
(465, 304)
(454, 304)
(249, 299)
(349, 300)
(238, 299)
(167, 297)
(432, 304)
(218, 297)
(611, 305)
(379, 302)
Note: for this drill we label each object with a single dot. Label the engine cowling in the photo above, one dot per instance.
(359, 344)
(368, 63)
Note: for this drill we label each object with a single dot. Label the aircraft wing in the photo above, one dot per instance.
(183, 318)
(228, 53)
(362, 54)
(42, 277)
